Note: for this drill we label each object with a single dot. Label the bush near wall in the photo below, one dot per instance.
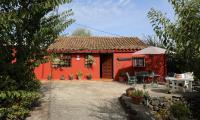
(19, 92)
(16, 105)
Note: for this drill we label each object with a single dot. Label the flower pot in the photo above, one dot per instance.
(62, 77)
(137, 100)
(79, 77)
(179, 76)
(89, 78)
(49, 77)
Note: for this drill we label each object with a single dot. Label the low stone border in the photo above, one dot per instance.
(157, 103)
(135, 112)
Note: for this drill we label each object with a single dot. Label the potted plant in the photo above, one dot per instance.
(62, 63)
(122, 76)
(71, 76)
(79, 75)
(49, 77)
(137, 96)
(56, 62)
(62, 77)
(89, 76)
(89, 61)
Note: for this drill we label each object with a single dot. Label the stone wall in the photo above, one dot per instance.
(135, 112)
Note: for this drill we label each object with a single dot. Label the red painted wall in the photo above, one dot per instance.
(122, 65)
(45, 69)
(157, 63)
(154, 63)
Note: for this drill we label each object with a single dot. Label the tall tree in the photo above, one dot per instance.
(81, 32)
(153, 41)
(182, 34)
(28, 27)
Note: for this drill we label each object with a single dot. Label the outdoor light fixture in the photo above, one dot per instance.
(78, 57)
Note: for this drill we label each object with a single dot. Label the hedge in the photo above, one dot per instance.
(16, 105)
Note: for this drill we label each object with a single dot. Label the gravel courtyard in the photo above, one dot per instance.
(80, 100)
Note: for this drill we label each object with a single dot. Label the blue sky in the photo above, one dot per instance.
(121, 17)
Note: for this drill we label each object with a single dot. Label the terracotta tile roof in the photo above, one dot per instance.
(96, 43)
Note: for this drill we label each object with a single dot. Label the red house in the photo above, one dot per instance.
(98, 57)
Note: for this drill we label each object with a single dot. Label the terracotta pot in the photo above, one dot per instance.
(136, 100)
(79, 77)
(179, 76)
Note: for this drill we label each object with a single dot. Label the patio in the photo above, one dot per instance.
(80, 100)
(158, 91)
(85, 100)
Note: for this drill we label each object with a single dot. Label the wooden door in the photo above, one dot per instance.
(107, 66)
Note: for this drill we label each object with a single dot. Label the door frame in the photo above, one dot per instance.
(112, 70)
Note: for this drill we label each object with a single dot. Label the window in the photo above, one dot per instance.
(67, 61)
(89, 60)
(138, 62)
(62, 61)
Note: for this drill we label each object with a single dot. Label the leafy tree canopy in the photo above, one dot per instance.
(81, 32)
(182, 34)
(28, 27)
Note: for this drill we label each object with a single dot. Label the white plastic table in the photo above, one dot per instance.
(173, 80)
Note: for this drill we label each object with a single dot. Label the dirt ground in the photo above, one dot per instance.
(80, 100)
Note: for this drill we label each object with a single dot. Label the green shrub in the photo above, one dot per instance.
(9, 84)
(19, 92)
(21, 77)
(6, 83)
(21, 98)
(179, 110)
(14, 113)
(193, 99)
(30, 85)
(15, 105)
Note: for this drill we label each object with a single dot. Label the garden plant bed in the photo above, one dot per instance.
(135, 112)
(193, 99)
(159, 106)
(155, 107)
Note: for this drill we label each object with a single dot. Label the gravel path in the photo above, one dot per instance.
(80, 100)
